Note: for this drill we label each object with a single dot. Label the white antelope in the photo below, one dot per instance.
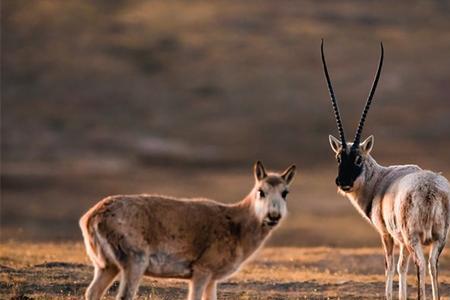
(196, 239)
(408, 206)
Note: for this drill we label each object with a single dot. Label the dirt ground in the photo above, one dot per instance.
(62, 271)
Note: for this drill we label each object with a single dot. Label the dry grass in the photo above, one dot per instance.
(62, 271)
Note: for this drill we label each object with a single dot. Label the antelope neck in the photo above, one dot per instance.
(377, 180)
(373, 175)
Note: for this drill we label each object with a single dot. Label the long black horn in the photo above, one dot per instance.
(333, 99)
(369, 101)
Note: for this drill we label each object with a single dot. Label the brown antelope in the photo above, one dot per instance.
(408, 206)
(196, 239)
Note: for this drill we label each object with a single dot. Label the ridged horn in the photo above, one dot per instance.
(369, 101)
(333, 99)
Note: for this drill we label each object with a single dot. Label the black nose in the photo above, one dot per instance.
(274, 217)
(337, 181)
(343, 185)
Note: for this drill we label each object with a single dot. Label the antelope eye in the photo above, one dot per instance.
(284, 194)
(261, 193)
(358, 161)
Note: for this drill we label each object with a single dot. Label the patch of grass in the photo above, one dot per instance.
(50, 271)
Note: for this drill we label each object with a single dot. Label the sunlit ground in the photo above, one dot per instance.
(62, 271)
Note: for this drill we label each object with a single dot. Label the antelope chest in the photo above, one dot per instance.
(230, 265)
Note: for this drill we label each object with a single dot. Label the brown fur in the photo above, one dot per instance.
(197, 239)
(207, 228)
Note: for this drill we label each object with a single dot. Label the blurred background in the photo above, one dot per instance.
(181, 97)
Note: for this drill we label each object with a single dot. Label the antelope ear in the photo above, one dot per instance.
(335, 144)
(289, 174)
(367, 145)
(259, 171)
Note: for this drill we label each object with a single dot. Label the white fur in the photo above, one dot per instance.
(409, 207)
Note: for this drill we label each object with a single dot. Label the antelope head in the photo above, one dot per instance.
(351, 157)
(270, 194)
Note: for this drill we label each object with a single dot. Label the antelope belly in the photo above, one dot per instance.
(168, 265)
